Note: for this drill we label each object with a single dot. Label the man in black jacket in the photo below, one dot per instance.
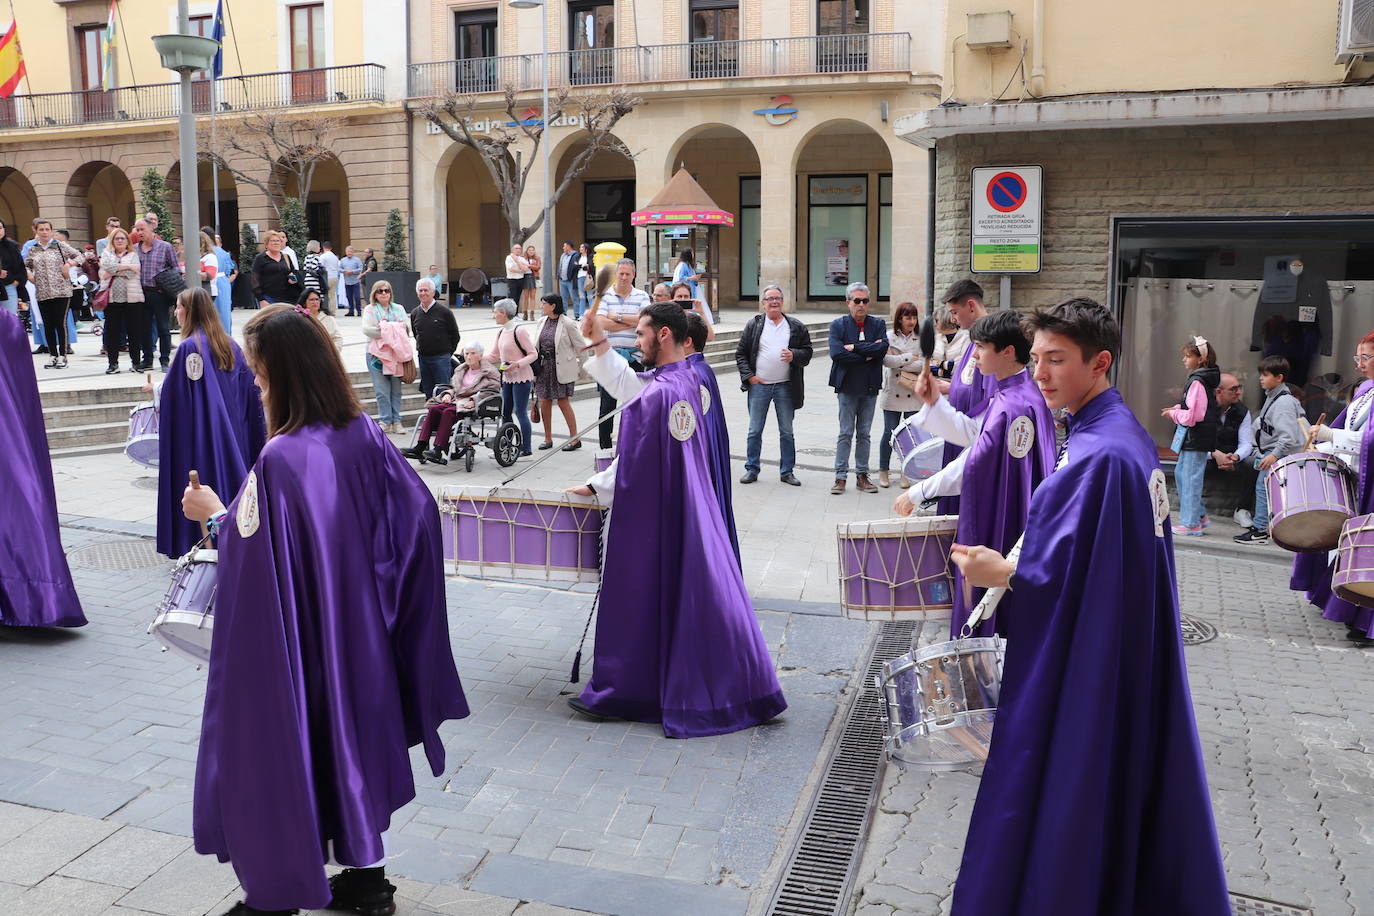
(858, 342)
(771, 356)
(436, 338)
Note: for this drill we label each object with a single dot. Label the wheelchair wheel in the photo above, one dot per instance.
(506, 444)
(469, 456)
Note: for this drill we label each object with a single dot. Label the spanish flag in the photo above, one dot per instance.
(11, 61)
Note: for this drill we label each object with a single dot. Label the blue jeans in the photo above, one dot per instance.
(435, 370)
(584, 298)
(568, 290)
(759, 396)
(1188, 475)
(856, 425)
(388, 389)
(891, 419)
(9, 299)
(1261, 520)
(515, 398)
(354, 291)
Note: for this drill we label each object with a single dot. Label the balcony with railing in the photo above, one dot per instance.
(753, 58)
(160, 101)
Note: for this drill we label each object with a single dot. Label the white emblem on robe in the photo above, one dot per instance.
(195, 366)
(1159, 500)
(682, 422)
(247, 517)
(705, 400)
(1021, 437)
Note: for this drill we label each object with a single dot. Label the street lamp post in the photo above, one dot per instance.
(548, 275)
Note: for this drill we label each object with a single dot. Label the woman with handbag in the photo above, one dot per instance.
(390, 353)
(560, 348)
(123, 305)
(586, 282)
(514, 353)
(275, 278)
(48, 261)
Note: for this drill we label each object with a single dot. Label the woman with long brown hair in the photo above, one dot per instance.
(324, 650)
(211, 417)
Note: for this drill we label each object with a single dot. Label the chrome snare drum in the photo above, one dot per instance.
(940, 703)
(186, 617)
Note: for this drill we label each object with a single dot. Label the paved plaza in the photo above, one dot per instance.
(540, 812)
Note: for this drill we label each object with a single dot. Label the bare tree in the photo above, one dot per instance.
(289, 147)
(511, 149)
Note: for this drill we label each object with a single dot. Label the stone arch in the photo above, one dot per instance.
(18, 203)
(469, 213)
(327, 209)
(96, 190)
(613, 176)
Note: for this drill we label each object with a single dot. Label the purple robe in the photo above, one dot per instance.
(330, 658)
(970, 399)
(719, 436)
(36, 587)
(213, 425)
(1094, 798)
(996, 494)
(677, 641)
(1312, 571)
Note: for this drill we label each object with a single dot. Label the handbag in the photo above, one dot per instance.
(101, 299)
(170, 281)
(408, 371)
(538, 365)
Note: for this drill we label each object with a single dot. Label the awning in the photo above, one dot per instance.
(682, 202)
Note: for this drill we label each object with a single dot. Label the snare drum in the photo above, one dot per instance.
(142, 445)
(919, 454)
(531, 535)
(898, 569)
(186, 617)
(602, 458)
(940, 703)
(1353, 579)
(1312, 494)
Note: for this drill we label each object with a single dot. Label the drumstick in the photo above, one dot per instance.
(1307, 446)
(993, 596)
(195, 485)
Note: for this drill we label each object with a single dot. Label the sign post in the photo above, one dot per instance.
(1006, 210)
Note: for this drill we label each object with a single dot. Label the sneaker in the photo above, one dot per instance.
(1194, 532)
(838, 487)
(863, 484)
(1253, 536)
(1206, 522)
(362, 890)
(1244, 518)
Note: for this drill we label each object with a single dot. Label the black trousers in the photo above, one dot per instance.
(606, 427)
(138, 330)
(117, 323)
(54, 312)
(159, 311)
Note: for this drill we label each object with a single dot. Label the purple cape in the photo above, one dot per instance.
(1094, 799)
(677, 641)
(719, 436)
(330, 658)
(36, 587)
(997, 489)
(213, 425)
(970, 399)
(1312, 571)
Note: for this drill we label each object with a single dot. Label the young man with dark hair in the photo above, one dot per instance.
(672, 646)
(1277, 435)
(1008, 452)
(1094, 795)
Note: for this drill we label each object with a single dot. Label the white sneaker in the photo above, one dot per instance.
(1244, 518)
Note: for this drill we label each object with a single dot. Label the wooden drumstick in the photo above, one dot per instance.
(1312, 433)
(993, 596)
(195, 485)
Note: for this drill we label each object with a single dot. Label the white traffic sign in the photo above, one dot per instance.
(1005, 215)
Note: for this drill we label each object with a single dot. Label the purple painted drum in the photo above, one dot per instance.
(530, 535)
(1311, 494)
(940, 703)
(142, 445)
(897, 569)
(602, 458)
(186, 617)
(1353, 579)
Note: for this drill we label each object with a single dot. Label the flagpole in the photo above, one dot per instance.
(214, 162)
(14, 24)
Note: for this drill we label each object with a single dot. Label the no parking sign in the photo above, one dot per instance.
(1005, 218)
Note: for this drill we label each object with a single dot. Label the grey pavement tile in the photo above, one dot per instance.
(15, 819)
(600, 891)
(454, 901)
(61, 896)
(51, 787)
(189, 883)
(48, 845)
(126, 857)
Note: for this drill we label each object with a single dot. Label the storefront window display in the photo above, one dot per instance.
(750, 223)
(885, 236)
(837, 233)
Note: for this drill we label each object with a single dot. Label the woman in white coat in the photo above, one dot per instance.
(560, 352)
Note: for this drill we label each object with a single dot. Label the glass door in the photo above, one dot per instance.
(592, 41)
(476, 51)
(307, 53)
(842, 36)
(96, 104)
(715, 38)
(204, 26)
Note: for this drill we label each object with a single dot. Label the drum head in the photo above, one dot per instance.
(185, 633)
(1313, 531)
(1357, 593)
(142, 450)
(960, 748)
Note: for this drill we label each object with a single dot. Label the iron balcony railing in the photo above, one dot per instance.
(254, 92)
(885, 52)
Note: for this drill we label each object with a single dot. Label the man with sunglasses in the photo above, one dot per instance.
(857, 344)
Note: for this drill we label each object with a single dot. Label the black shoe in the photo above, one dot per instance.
(165, 364)
(573, 446)
(1253, 536)
(243, 909)
(362, 890)
(584, 710)
(790, 479)
(435, 455)
(527, 454)
(112, 370)
(1358, 637)
(749, 477)
(37, 350)
(545, 446)
(68, 351)
(416, 452)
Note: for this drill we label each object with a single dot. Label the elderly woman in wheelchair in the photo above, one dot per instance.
(457, 406)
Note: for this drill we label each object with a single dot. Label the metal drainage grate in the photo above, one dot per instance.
(1196, 630)
(138, 554)
(146, 483)
(820, 871)
(1242, 905)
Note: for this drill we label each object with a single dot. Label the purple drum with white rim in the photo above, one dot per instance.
(1353, 579)
(602, 458)
(1311, 495)
(186, 617)
(523, 535)
(142, 445)
(919, 454)
(897, 569)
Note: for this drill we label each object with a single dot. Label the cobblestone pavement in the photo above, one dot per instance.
(1285, 708)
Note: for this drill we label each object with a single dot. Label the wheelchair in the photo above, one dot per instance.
(470, 432)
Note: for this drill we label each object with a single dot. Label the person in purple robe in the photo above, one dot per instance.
(210, 418)
(677, 641)
(1094, 799)
(713, 423)
(330, 658)
(36, 587)
(968, 389)
(1348, 436)
(1010, 450)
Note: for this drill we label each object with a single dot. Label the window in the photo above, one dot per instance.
(842, 27)
(307, 53)
(475, 50)
(750, 227)
(715, 36)
(884, 289)
(592, 41)
(606, 212)
(841, 17)
(204, 26)
(837, 242)
(96, 105)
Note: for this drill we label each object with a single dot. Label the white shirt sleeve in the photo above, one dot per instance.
(603, 482)
(1347, 440)
(612, 372)
(944, 482)
(1247, 438)
(943, 421)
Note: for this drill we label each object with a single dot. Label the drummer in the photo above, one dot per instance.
(1348, 436)
(1011, 454)
(1094, 795)
(330, 658)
